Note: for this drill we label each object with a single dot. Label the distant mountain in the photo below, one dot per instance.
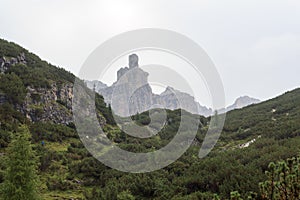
(132, 86)
(242, 102)
(187, 103)
(135, 87)
(97, 85)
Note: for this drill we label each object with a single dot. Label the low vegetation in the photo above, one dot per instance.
(66, 170)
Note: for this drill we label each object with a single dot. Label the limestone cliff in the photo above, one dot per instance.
(132, 94)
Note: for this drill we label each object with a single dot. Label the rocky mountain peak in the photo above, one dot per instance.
(136, 74)
(133, 61)
(243, 101)
(132, 86)
(168, 90)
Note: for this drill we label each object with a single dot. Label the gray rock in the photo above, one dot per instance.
(2, 63)
(53, 104)
(121, 72)
(242, 102)
(21, 58)
(132, 86)
(6, 63)
(133, 61)
(13, 61)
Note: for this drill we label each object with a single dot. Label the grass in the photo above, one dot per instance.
(63, 195)
(60, 146)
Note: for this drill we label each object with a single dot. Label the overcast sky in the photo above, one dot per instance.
(255, 45)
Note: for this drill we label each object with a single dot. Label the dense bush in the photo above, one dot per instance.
(13, 88)
(51, 132)
(66, 165)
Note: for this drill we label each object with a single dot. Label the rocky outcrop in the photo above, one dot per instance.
(53, 104)
(133, 61)
(132, 94)
(173, 99)
(6, 62)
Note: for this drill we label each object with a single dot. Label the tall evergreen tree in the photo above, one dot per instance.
(20, 179)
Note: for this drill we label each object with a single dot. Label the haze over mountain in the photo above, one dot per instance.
(242, 102)
(132, 86)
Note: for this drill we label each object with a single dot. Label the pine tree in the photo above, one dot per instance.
(20, 179)
(283, 180)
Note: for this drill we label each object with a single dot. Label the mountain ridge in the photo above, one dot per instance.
(132, 85)
(136, 89)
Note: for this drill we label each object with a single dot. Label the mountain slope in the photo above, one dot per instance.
(38, 90)
(37, 94)
(278, 117)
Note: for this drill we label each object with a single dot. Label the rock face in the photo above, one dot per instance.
(173, 99)
(133, 61)
(53, 104)
(132, 94)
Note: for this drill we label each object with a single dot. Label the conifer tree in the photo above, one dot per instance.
(283, 182)
(20, 178)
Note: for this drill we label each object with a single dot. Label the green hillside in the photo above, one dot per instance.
(38, 95)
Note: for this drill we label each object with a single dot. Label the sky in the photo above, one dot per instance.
(255, 45)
